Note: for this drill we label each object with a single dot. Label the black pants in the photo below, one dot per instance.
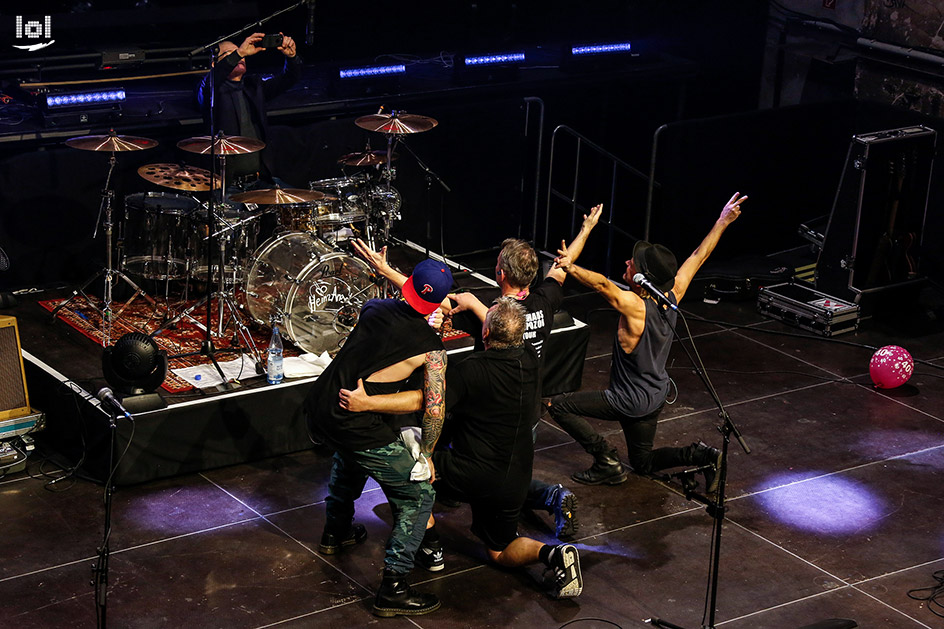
(569, 410)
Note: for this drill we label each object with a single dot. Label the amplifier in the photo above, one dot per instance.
(14, 400)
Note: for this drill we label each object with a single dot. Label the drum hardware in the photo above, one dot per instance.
(111, 143)
(179, 177)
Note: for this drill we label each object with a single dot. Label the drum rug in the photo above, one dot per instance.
(184, 337)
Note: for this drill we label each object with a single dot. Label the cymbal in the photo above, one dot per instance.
(278, 196)
(370, 158)
(111, 142)
(225, 145)
(178, 177)
(397, 124)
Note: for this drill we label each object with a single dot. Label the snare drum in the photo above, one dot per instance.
(156, 234)
(318, 292)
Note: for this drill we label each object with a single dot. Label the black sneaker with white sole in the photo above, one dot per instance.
(563, 576)
(430, 557)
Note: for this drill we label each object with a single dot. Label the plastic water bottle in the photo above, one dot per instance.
(274, 359)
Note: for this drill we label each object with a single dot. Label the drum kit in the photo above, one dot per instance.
(304, 274)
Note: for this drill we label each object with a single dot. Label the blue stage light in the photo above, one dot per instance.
(84, 98)
(504, 58)
(371, 71)
(601, 49)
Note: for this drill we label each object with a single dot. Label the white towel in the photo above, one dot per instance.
(412, 436)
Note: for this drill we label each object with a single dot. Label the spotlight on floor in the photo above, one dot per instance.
(135, 367)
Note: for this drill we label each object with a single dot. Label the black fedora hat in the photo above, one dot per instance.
(657, 263)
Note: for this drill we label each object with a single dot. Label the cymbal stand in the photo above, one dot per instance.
(430, 176)
(109, 272)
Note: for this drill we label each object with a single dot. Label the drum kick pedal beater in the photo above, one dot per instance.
(111, 143)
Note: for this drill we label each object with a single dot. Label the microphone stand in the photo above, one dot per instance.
(207, 349)
(430, 176)
(100, 568)
(714, 507)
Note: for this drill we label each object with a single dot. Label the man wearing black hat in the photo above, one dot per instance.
(639, 382)
(391, 349)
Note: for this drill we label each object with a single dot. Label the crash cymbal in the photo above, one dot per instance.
(278, 196)
(111, 142)
(178, 177)
(370, 158)
(225, 145)
(397, 124)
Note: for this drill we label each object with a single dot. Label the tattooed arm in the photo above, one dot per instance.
(434, 392)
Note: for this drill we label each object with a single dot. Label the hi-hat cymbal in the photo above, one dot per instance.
(178, 177)
(111, 142)
(225, 145)
(370, 158)
(396, 124)
(278, 196)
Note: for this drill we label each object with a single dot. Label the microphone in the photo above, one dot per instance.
(105, 395)
(640, 279)
(310, 29)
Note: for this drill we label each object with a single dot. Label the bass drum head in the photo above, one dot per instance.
(275, 267)
(323, 306)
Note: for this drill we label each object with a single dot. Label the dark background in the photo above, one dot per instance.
(699, 70)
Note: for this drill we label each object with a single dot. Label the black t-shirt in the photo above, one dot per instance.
(492, 398)
(540, 304)
(387, 332)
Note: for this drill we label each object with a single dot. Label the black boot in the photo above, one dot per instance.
(396, 598)
(332, 544)
(710, 458)
(606, 469)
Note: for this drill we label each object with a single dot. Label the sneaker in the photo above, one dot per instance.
(563, 504)
(565, 579)
(332, 544)
(430, 557)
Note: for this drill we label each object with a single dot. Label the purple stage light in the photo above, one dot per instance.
(828, 505)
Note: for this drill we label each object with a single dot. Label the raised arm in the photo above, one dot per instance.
(378, 261)
(626, 302)
(729, 214)
(576, 247)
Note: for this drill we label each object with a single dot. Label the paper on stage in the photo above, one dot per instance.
(204, 376)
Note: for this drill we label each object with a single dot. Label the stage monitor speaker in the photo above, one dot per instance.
(14, 400)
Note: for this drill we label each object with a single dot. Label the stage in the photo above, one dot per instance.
(201, 429)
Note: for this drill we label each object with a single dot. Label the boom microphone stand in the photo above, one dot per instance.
(715, 507)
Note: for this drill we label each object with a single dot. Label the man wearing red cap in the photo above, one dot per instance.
(639, 382)
(391, 349)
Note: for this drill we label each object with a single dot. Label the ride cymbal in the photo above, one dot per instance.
(112, 142)
(396, 124)
(278, 196)
(178, 177)
(224, 145)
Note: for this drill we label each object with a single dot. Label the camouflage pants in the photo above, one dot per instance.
(410, 501)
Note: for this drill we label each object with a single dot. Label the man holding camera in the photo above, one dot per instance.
(241, 99)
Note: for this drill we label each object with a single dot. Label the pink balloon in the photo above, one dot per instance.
(891, 366)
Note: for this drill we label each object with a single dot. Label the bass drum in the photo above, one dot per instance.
(316, 291)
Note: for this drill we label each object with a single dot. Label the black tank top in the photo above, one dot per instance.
(639, 382)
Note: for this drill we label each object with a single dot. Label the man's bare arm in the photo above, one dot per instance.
(575, 248)
(686, 272)
(358, 401)
(434, 391)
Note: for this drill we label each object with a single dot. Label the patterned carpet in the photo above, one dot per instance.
(183, 337)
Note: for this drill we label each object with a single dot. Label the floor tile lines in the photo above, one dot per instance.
(314, 613)
(288, 535)
(784, 353)
(894, 572)
(875, 391)
(834, 473)
(745, 401)
(155, 542)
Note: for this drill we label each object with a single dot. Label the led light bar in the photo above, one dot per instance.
(504, 58)
(84, 99)
(369, 71)
(601, 49)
